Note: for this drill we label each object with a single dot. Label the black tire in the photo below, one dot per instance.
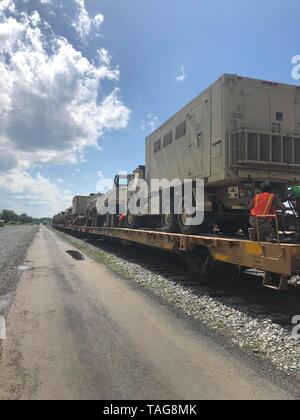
(113, 220)
(106, 220)
(169, 222)
(184, 227)
(245, 228)
(228, 227)
(206, 227)
(110, 220)
(187, 229)
(132, 221)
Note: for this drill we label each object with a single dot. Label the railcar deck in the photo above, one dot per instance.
(279, 263)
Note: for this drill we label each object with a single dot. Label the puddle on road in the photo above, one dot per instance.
(75, 255)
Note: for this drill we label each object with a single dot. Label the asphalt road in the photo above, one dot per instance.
(78, 331)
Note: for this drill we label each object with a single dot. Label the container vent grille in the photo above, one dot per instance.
(250, 147)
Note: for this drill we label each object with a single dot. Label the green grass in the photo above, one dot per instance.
(13, 224)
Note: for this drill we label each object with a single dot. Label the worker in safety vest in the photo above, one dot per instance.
(295, 198)
(265, 204)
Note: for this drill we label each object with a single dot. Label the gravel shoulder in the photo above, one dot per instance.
(14, 243)
(232, 319)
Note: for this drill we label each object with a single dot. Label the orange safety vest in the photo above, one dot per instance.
(263, 205)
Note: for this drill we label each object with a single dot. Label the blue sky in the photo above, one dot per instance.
(153, 43)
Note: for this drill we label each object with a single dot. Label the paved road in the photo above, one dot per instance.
(77, 331)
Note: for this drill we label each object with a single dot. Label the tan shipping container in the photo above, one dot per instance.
(239, 128)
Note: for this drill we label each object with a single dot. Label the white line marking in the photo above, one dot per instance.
(2, 328)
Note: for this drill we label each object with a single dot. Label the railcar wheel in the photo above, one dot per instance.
(201, 264)
(226, 273)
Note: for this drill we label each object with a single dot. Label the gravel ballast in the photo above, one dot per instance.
(240, 322)
(14, 243)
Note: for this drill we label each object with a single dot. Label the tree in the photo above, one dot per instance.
(9, 216)
(23, 218)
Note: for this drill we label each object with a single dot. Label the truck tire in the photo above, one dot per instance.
(228, 227)
(132, 221)
(169, 222)
(106, 220)
(206, 227)
(110, 220)
(113, 220)
(184, 227)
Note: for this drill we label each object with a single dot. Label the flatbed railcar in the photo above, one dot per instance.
(279, 263)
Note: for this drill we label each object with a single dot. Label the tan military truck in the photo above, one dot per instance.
(236, 134)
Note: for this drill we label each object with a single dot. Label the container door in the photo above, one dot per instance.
(199, 126)
(195, 153)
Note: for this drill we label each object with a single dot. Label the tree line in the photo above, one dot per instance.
(11, 217)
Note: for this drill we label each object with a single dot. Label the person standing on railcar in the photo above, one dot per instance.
(264, 204)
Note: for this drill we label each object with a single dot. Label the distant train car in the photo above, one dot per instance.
(79, 205)
(92, 216)
(119, 196)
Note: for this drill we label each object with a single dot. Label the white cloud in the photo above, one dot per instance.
(36, 196)
(49, 95)
(84, 23)
(7, 5)
(8, 159)
(104, 185)
(98, 20)
(150, 123)
(35, 18)
(51, 108)
(182, 76)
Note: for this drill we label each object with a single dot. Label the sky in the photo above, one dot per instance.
(84, 82)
